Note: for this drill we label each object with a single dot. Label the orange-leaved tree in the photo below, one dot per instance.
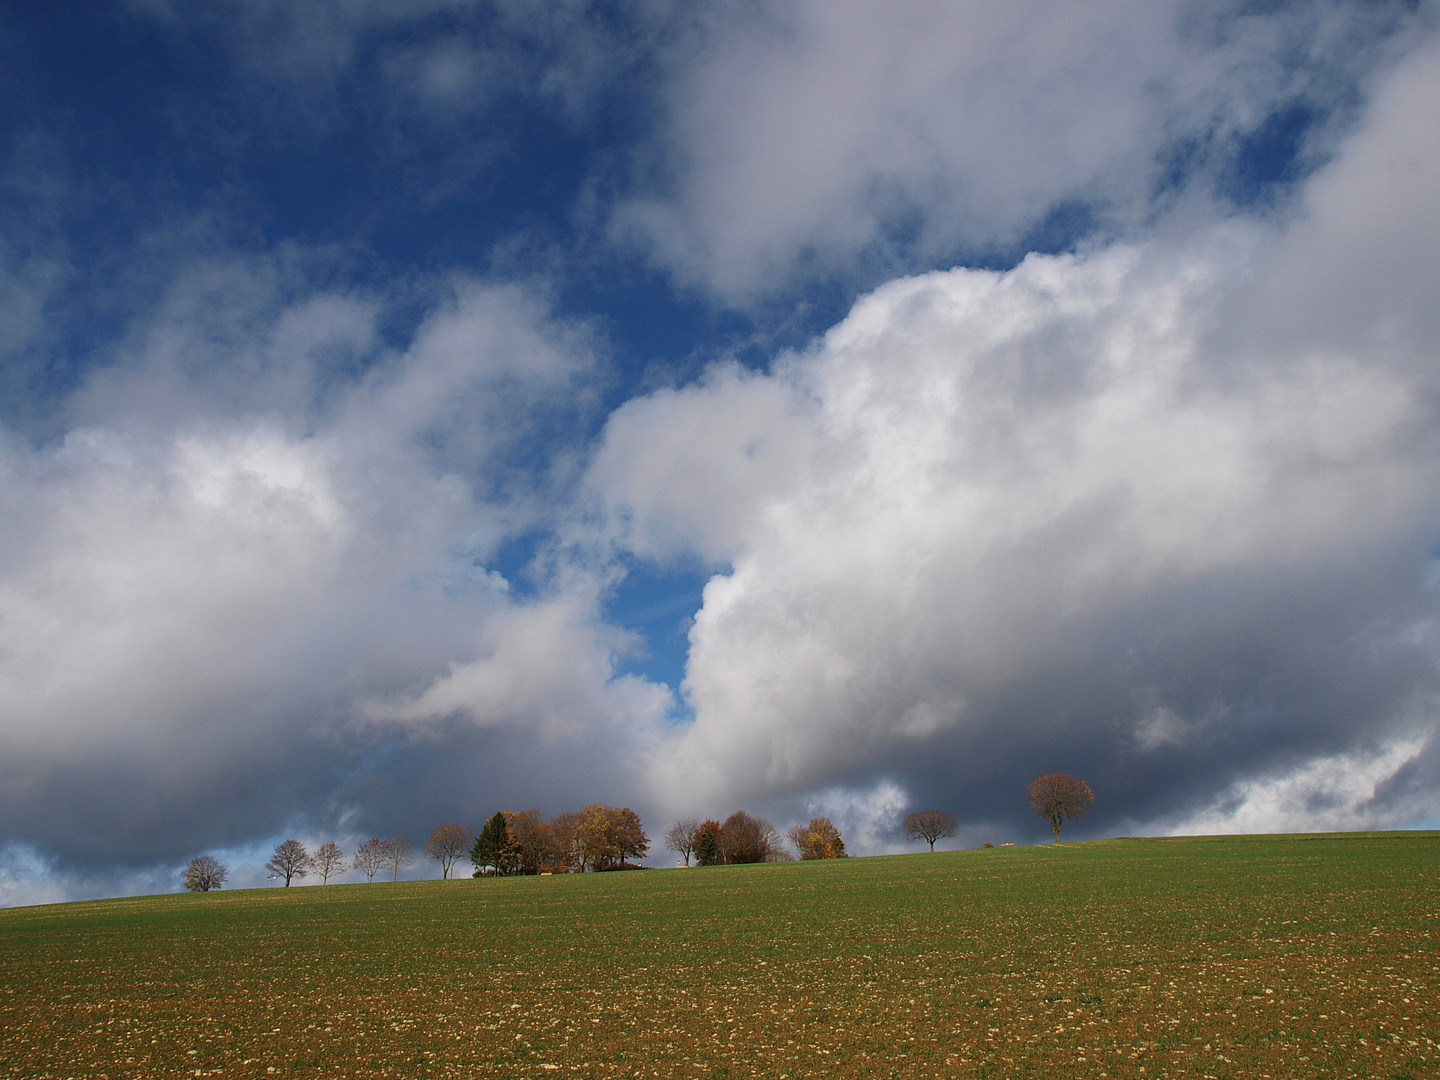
(818, 840)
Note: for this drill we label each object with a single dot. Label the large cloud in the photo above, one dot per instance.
(1162, 515)
(240, 541)
(906, 132)
(1162, 512)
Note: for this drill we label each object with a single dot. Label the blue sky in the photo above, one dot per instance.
(411, 409)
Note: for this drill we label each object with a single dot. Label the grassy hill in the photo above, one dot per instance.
(1284, 957)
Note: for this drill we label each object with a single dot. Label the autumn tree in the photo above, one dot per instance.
(1058, 797)
(446, 844)
(371, 857)
(396, 854)
(930, 825)
(707, 844)
(205, 872)
(627, 834)
(329, 859)
(495, 847)
(290, 860)
(818, 840)
(543, 847)
(560, 836)
(744, 838)
(682, 836)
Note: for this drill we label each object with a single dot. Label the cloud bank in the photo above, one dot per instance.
(1165, 514)
(1125, 466)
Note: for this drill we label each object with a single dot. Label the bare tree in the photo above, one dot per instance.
(329, 859)
(205, 872)
(747, 839)
(682, 837)
(930, 825)
(290, 860)
(818, 840)
(798, 835)
(446, 844)
(371, 857)
(396, 854)
(1059, 797)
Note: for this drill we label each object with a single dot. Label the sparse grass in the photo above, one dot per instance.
(1255, 957)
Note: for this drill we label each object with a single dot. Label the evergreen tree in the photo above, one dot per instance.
(495, 847)
(707, 849)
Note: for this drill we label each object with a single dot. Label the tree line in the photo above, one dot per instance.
(603, 838)
(744, 838)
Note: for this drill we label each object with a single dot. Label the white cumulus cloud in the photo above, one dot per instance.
(995, 521)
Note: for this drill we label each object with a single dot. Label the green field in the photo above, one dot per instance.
(1246, 957)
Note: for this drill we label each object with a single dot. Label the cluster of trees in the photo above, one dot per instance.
(291, 859)
(744, 838)
(523, 842)
(605, 837)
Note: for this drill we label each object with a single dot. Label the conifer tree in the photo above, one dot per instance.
(495, 847)
(707, 847)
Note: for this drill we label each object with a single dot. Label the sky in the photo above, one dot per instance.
(411, 409)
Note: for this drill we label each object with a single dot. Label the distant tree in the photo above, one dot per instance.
(561, 838)
(205, 872)
(682, 836)
(606, 836)
(563, 827)
(627, 834)
(540, 848)
(495, 847)
(747, 839)
(594, 840)
(290, 860)
(329, 859)
(707, 844)
(396, 854)
(525, 829)
(930, 825)
(1059, 797)
(446, 844)
(818, 840)
(371, 857)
